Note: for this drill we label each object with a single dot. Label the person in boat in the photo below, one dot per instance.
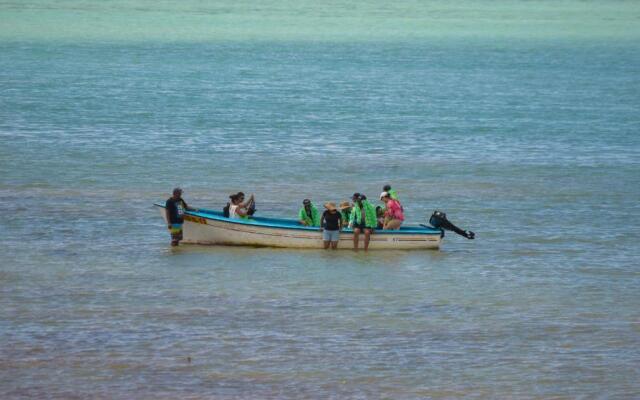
(308, 214)
(238, 209)
(393, 214)
(363, 219)
(330, 225)
(392, 193)
(250, 205)
(175, 208)
(345, 212)
(380, 217)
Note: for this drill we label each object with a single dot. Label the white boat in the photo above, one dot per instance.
(212, 227)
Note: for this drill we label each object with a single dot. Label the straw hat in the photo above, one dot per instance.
(330, 206)
(345, 204)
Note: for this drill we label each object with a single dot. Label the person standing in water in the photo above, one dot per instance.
(363, 219)
(175, 208)
(331, 223)
(308, 214)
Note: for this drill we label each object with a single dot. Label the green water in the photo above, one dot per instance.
(339, 21)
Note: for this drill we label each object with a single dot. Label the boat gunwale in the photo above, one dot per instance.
(211, 215)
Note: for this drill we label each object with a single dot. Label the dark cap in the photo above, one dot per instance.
(386, 188)
(356, 195)
(306, 201)
(177, 190)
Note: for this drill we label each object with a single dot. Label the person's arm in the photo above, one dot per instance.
(186, 207)
(168, 215)
(322, 221)
(339, 222)
(248, 202)
(301, 217)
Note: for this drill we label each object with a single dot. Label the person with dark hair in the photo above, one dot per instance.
(175, 208)
(392, 193)
(308, 214)
(238, 209)
(363, 219)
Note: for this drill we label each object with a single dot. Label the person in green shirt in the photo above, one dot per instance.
(308, 214)
(363, 219)
(392, 193)
(345, 212)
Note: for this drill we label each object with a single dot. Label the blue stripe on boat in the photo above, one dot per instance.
(284, 223)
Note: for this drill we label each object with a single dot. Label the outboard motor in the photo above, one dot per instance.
(439, 220)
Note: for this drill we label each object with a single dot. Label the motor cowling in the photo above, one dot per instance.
(439, 221)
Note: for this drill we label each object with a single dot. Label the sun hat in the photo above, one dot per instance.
(345, 204)
(330, 206)
(383, 195)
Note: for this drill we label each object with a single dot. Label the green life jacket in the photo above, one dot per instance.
(346, 216)
(370, 219)
(393, 194)
(315, 216)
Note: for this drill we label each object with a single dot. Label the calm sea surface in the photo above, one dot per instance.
(520, 119)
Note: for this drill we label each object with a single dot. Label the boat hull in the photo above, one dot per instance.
(209, 228)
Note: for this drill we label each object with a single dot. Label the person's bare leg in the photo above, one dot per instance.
(175, 239)
(367, 237)
(334, 245)
(356, 238)
(326, 244)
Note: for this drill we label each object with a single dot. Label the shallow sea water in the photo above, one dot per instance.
(527, 135)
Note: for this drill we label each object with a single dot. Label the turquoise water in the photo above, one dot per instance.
(519, 119)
